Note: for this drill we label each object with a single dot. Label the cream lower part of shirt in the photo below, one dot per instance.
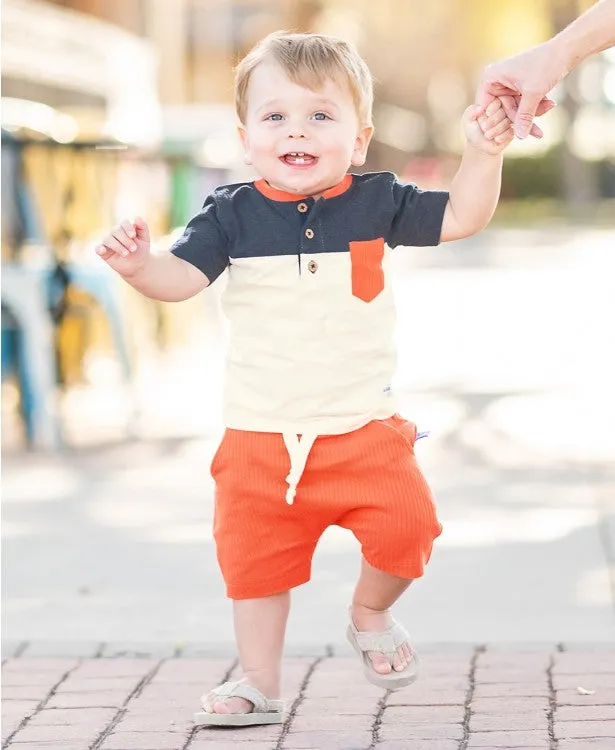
(306, 357)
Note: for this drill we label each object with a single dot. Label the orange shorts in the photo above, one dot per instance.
(367, 481)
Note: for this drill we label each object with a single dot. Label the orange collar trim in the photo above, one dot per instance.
(280, 195)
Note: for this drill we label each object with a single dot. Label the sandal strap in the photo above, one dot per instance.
(261, 704)
(386, 642)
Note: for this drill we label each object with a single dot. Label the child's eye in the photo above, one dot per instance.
(274, 117)
(321, 116)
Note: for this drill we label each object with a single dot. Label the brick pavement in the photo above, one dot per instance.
(140, 699)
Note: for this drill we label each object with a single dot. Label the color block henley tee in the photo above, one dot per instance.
(309, 301)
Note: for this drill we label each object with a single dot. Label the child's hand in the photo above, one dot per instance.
(127, 247)
(491, 132)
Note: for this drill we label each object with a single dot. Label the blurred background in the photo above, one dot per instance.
(111, 402)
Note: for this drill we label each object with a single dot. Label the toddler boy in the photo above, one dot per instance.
(312, 435)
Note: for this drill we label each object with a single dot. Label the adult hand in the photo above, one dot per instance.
(523, 81)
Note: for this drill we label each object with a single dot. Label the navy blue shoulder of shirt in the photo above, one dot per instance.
(252, 219)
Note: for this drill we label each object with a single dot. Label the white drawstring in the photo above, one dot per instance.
(298, 451)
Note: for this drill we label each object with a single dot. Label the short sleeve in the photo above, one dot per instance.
(204, 242)
(418, 215)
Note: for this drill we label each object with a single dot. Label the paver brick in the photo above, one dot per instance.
(426, 714)
(197, 671)
(72, 716)
(100, 699)
(144, 741)
(75, 683)
(227, 745)
(115, 667)
(53, 745)
(585, 713)
(569, 697)
(427, 698)
(25, 692)
(19, 708)
(525, 740)
(22, 665)
(584, 663)
(512, 690)
(331, 722)
(59, 733)
(584, 729)
(328, 740)
(338, 706)
(598, 743)
(513, 677)
(23, 679)
(589, 680)
(508, 722)
(262, 733)
(504, 706)
(421, 731)
(180, 722)
(517, 661)
(419, 745)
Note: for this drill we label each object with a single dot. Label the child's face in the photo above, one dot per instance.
(301, 141)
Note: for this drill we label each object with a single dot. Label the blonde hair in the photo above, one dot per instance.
(309, 60)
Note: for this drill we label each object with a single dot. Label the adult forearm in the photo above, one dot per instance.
(474, 191)
(590, 33)
(166, 278)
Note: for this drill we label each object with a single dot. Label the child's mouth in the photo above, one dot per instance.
(298, 159)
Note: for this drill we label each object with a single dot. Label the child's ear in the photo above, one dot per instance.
(243, 137)
(359, 153)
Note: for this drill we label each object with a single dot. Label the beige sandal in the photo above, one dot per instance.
(264, 711)
(387, 643)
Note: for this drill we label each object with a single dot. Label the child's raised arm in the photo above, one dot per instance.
(475, 189)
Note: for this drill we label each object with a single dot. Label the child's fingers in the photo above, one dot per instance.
(506, 137)
(493, 107)
(104, 252)
(111, 242)
(121, 235)
(141, 229)
(496, 119)
(129, 228)
(498, 129)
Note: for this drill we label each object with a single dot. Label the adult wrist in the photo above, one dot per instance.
(565, 51)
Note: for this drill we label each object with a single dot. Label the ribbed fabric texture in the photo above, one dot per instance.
(367, 481)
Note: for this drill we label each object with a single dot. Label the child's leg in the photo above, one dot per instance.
(260, 625)
(375, 592)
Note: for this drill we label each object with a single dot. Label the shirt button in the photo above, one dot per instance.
(312, 266)
(302, 207)
(309, 233)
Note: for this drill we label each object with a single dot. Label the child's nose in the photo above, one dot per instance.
(296, 130)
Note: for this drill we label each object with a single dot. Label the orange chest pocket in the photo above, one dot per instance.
(367, 273)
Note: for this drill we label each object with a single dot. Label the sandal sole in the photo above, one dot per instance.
(237, 720)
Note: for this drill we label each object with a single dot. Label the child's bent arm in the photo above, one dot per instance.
(167, 278)
(473, 195)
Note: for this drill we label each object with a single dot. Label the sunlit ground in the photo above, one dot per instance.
(505, 355)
